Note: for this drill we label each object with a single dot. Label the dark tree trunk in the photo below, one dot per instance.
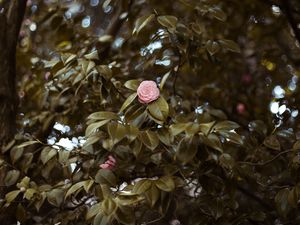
(11, 16)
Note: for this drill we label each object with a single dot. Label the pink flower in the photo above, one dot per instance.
(147, 92)
(109, 164)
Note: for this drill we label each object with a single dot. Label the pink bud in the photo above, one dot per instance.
(111, 158)
(109, 164)
(241, 108)
(105, 166)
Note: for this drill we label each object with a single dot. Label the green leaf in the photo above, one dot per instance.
(198, 28)
(21, 214)
(24, 182)
(187, 149)
(11, 177)
(106, 177)
(108, 206)
(103, 115)
(152, 194)
(212, 141)
(226, 125)
(137, 147)
(294, 196)
(10, 196)
(141, 186)
(39, 201)
(125, 215)
(158, 110)
(168, 21)
(29, 193)
(131, 132)
(8, 146)
(104, 71)
(88, 184)
(86, 66)
(75, 187)
(230, 45)
(206, 128)
(232, 136)
(296, 145)
(286, 133)
(212, 47)
(132, 84)
(192, 129)
(25, 163)
(116, 132)
(281, 200)
(226, 161)
(165, 183)
(63, 157)
(128, 101)
(149, 138)
(92, 56)
(55, 197)
(47, 154)
(67, 58)
(91, 140)
(177, 128)
(101, 219)
(136, 115)
(92, 211)
(165, 137)
(163, 80)
(94, 126)
(272, 142)
(141, 22)
(218, 13)
(15, 154)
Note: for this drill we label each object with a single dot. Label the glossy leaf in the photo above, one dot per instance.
(141, 22)
(159, 110)
(167, 21)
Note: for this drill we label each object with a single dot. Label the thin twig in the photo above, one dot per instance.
(267, 162)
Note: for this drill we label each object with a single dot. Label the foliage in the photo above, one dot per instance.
(208, 151)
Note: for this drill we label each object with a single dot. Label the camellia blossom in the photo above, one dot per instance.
(148, 92)
(109, 164)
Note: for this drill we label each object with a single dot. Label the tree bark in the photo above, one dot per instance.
(11, 16)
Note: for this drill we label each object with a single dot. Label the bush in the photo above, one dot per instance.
(91, 149)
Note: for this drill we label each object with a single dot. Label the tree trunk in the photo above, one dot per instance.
(11, 16)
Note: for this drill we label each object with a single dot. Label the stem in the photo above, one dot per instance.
(267, 162)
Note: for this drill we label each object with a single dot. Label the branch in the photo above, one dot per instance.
(10, 24)
(287, 9)
(11, 17)
(268, 161)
